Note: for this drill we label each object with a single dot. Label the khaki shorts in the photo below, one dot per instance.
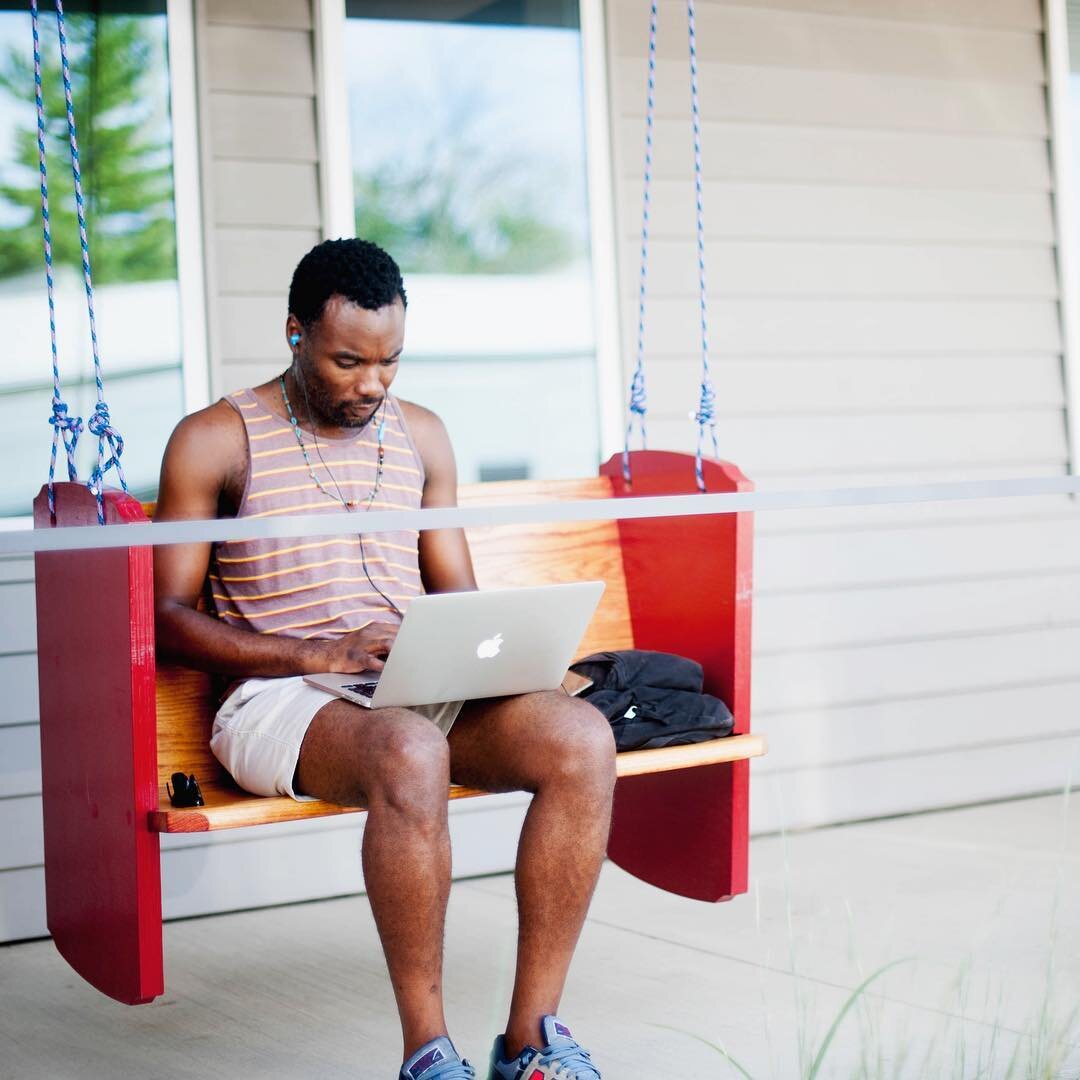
(261, 725)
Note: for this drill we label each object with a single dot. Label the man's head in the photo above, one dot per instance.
(346, 329)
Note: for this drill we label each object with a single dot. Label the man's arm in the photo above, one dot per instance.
(445, 563)
(197, 463)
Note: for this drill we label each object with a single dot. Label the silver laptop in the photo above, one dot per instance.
(467, 645)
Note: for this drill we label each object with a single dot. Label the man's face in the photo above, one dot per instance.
(348, 359)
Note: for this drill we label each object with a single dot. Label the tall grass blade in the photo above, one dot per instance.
(852, 999)
(715, 1046)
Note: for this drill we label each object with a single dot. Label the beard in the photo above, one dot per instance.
(325, 411)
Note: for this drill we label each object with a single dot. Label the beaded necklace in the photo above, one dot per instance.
(349, 504)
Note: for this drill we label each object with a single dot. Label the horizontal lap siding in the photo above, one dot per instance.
(21, 884)
(778, 36)
(903, 216)
(986, 14)
(883, 308)
(21, 881)
(820, 270)
(261, 170)
(822, 154)
(874, 101)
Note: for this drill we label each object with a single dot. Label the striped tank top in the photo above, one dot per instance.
(317, 588)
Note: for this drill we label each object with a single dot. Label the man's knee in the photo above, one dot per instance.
(410, 770)
(581, 743)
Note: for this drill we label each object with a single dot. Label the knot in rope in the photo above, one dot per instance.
(638, 409)
(65, 425)
(100, 424)
(638, 400)
(705, 417)
(707, 405)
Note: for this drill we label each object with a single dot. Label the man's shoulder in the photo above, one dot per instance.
(430, 436)
(205, 460)
(419, 416)
(425, 426)
(216, 425)
(214, 436)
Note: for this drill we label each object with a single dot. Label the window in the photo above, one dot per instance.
(120, 79)
(468, 154)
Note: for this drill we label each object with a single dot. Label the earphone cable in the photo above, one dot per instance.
(315, 436)
(333, 479)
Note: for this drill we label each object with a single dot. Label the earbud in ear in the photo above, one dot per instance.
(294, 339)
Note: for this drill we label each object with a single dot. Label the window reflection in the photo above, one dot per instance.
(468, 150)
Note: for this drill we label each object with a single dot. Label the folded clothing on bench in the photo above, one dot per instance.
(653, 699)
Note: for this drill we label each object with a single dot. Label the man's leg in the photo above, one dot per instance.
(395, 763)
(562, 750)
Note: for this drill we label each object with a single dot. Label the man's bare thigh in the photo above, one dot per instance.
(507, 744)
(346, 748)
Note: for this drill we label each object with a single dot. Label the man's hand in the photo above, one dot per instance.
(365, 649)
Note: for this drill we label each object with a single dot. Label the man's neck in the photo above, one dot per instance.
(306, 417)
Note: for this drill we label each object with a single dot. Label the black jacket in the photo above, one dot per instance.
(653, 699)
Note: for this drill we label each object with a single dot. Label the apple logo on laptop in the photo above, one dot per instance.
(489, 648)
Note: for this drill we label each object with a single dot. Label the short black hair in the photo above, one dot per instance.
(358, 270)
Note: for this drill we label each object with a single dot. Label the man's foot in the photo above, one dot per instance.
(437, 1060)
(559, 1056)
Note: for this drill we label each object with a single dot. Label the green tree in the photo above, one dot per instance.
(124, 153)
(415, 218)
(464, 210)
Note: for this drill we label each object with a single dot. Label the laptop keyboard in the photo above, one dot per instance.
(364, 689)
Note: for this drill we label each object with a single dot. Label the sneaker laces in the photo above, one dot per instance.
(570, 1061)
(451, 1070)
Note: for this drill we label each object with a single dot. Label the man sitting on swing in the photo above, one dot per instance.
(328, 435)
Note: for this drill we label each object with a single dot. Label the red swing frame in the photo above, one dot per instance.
(689, 583)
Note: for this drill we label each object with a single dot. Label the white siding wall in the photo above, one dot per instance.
(260, 174)
(22, 886)
(883, 308)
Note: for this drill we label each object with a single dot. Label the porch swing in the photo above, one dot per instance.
(116, 724)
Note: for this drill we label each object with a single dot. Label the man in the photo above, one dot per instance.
(327, 435)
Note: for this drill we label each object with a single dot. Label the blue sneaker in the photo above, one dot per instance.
(437, 1060)
(560, 1059)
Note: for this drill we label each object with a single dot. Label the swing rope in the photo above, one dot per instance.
(65, 427)
(100, 423)
(638, 398)
(705, 414)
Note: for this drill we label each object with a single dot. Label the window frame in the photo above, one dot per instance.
(1056, 39)
(187, 205)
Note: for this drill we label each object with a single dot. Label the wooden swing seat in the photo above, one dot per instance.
(116, 725)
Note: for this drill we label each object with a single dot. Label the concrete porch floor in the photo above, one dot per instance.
(979, 907)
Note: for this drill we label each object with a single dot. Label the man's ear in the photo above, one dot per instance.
(294, 332)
